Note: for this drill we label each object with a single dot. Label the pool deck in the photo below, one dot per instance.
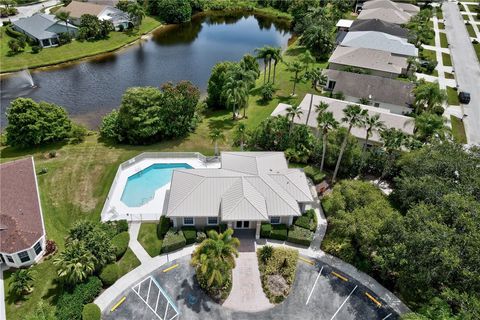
(115, 209)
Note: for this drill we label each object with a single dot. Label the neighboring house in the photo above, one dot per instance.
(43, 28)
(379, 26)
(248, 189)
(394, 95)
(374, 62)
(22, 232)
(387, 15)
(386, 4)
(102, 12)
(379, 41)
(112, 3)
(343, 25)
(391, 120)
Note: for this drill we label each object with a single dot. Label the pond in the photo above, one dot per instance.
(91, 88)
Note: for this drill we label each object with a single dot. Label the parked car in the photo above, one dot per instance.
(464, 97)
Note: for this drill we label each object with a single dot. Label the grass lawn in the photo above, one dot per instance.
(72, 51)
(476, 46)
(149, 240)
(449, 75)
(458, 130)
(470, 30)
(439, 13)
(441, 26)
(447, 60)
(128, 262)
(452, 97)
(79, 178)
(443, 40)
(429, 54)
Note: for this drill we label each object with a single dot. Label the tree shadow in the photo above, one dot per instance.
(193, 297)
(16, 152)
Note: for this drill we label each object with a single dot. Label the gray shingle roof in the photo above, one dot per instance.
(379, 41)
(380, 26)
(380, 89)
(390, 120)
(38, 25)
(369, 59)
(261, 186)
(387, 4)
(388, 15)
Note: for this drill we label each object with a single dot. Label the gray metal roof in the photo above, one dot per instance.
(380, 89)
(39, 24)
(391, 120)
(369, 59)
(379, 41)
(261, 186)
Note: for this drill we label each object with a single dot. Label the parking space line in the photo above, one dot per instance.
(334, 315)
(314, 284)
(388, 316)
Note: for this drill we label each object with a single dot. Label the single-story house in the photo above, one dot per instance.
(379, 41)
(249, 188)
(44, 28)
(394, 95)
(387, 4)
(375, 62)
(391, 120)
(379, 26)
(22, 232)
(102, 12)
(387, 15)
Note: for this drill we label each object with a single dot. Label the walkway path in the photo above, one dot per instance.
(471, 19)
(467, 67)
(247, 292)
(136, 247)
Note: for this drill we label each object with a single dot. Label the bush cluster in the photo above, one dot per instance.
(173, 240)
(265, 230)
(163, 227)
(70, 304)
(300, 235)
(190, 234)
(91, 312)
(120, 242)
(279, 232)
(110, 273)
(315, 174)
(220, 228)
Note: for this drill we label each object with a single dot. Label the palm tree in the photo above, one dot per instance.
(136, 12)
(216, 135)
(371, 124)
(240, 132)
(354, 116)
(326, 122)
(75, 264)
(296, 67)
(428, 96)
(263, 53)
(22, 282)
(393, 139)
(277, 57)
(292, 112)
(63, 16)
(429, 125)
(215, 257)
(235, 94)
(321, 107)
(316, 77)
(307, 58)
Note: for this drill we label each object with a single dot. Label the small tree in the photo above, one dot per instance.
(16, 45)
(292, 112)
(240, 133)
(216, 135)
(297, 68)
(22, 282)
(267, 91)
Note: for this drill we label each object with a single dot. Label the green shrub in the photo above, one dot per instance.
(120, 242)
(303, 222)
(91, 312)
(173, 240)
(265, 230)
(315, 174)
(190, 234)
(70, 304)
(163, 227)
(14, 33)
(220, 228)
(36, 49)
(300, 235)
(279, 232)
(201, 236)
(110, 274)
(308, 220)
(122, 225)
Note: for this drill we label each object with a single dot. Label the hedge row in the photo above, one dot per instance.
(173, 240)
(274, 231)
(308, 220)
(190, 234)
(70, 304)
(315, 174)
(296, 234)
(300, 236)
(120, 242)
(163, 227)
(14, 33)
(110, 273)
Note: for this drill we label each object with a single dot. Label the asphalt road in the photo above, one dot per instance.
(27, 11)
(313, 296)
(466, 66)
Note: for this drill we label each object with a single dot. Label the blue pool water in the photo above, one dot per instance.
(140, 188)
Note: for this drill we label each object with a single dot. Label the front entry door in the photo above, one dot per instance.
(242, 224)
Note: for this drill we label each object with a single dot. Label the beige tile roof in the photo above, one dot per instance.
(77, 9)
(388, 15)
(387, 4)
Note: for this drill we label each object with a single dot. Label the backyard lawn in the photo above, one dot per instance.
(72, 51)
(458, 130)
(149, 240)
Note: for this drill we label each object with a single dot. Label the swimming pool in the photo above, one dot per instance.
(140, 187)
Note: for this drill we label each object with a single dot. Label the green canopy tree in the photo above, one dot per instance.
(429, 125)
(428, 96)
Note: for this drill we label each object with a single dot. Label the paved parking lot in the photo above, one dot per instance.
(313, 296)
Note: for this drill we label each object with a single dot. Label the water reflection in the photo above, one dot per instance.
(93, 87)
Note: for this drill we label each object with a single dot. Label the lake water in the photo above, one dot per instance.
(91, 88)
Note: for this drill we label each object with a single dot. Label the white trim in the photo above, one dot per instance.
(212, 224)
(188, 224)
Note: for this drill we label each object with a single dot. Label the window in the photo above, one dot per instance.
(23, 256)
(275, 220)
(37, 248)
(46, 42)
(212, 220)
(188, 221)
(10, 259)
(376, 105)
(331, 84)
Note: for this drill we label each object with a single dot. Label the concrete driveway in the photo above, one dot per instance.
(467, 67)
(27, 11)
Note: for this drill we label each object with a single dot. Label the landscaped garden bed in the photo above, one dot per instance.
(277, 268)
